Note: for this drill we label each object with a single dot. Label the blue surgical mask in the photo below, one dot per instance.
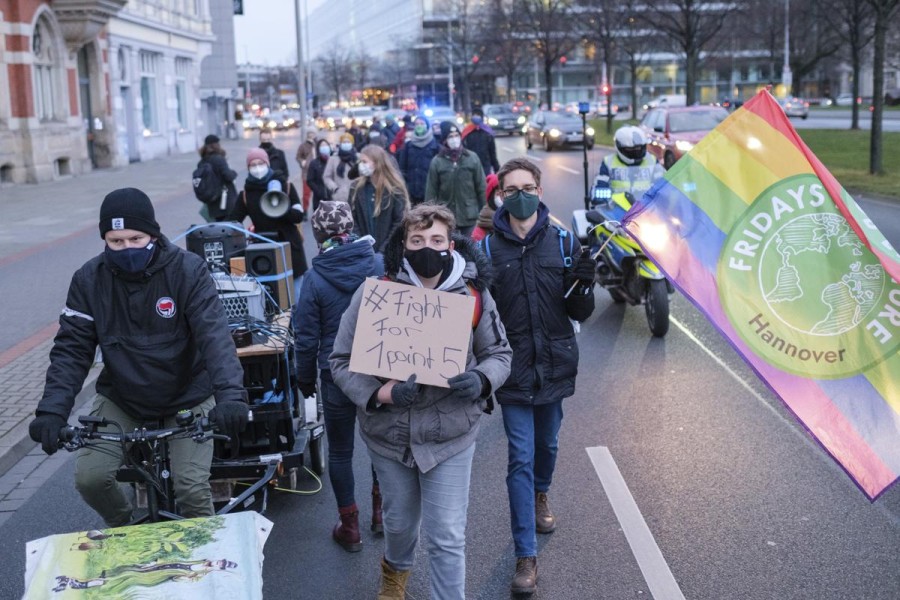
(346, 146)
(476, 120)
(130, 260)
(325, 151)
(522, 205)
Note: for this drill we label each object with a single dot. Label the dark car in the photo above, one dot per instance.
(674, 131)
(553, 129)
(501, 118)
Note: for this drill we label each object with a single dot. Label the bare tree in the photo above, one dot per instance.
(883, 11)
(505, 45)
(812, 40)
(603, 29)
(555, 30)
(692, 25)
(337, 70)
(362, 68)
(633, 45)
(397, 67)
(469, 41)
(852, 21)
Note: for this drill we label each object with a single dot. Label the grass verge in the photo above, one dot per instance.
(845, 153)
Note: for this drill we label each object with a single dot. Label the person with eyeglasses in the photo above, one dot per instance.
(535, 264)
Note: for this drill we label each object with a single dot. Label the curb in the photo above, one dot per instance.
(21, 443)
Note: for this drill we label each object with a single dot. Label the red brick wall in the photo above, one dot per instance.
(73, 91)
(21, 94)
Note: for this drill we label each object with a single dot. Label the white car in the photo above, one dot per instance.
(844, 100)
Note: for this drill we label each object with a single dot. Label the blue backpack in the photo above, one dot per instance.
(562, 233)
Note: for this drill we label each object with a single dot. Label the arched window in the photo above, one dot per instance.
(44, 70)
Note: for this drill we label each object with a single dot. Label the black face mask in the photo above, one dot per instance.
(522, 205)
(266, 145)
(427, 262)
(131, 260)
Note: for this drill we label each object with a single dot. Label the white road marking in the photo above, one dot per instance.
(533, 157)
(656, 571)
(568, 170)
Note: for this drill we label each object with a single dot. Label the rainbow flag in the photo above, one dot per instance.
(753, 229)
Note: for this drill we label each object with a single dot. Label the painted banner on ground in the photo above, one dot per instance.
(215, 557)
(757, 233)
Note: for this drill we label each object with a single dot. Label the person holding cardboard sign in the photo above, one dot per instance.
(421, 438)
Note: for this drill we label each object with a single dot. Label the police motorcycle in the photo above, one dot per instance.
(622, 267)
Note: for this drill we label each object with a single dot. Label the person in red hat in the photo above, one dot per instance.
(485, 223)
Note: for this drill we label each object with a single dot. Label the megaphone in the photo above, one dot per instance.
(274, 203)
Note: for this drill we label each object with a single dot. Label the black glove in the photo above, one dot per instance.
(45, 429)
(230, 416)
(403, 394)
(307, 388)
(467, 386)
(583, 270)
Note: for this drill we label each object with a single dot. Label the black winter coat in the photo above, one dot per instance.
(482, 143)
(277, 161)
(315, 179)
(414, 163)
(362, 203)
(164, 336)
(529, 289)
(249, 204)
(226, 176)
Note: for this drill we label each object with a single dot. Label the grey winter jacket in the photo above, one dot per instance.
(436, 426)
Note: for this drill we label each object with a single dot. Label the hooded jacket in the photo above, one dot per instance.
(529, 290)
(436, 426)
(164, 336)
(327, 290)
(481, 142)
(457, 185)
(414, 162)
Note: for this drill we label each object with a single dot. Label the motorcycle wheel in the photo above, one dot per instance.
(617, 295)
(656, 307)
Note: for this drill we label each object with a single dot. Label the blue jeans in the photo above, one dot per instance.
(533, 435)
(340, 427)
(440, 499)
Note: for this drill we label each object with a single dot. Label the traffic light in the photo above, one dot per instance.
(562, 61)
(605, 89)
(475, 59)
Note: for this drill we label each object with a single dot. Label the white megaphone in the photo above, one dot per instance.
(274, 203)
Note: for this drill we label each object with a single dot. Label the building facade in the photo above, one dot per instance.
(88, 84)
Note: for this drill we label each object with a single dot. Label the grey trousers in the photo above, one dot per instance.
(95, 471)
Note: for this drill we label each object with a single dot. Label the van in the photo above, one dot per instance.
(667, 100)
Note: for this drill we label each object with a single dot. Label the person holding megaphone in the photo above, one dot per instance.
(273, 205)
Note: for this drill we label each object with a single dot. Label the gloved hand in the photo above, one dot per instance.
(307, 388)
(230, 416)
(583, 270)
(403, 394)
(45, 429)
(467, 386)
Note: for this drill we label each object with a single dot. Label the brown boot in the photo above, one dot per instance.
(346, 532)
(377, 521)
(544, 521)
(393, 583)
(525, 579)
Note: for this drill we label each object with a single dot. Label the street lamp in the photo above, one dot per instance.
(301, 78)
(787, 78)
(583, 109)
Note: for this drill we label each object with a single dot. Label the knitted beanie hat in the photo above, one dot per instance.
(491, 186)
(128, 208)
(257, 154)
(448, 127)
(332, 218)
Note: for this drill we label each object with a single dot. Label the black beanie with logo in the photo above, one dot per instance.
(128, 208)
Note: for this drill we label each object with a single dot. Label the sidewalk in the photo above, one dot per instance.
(34, 219)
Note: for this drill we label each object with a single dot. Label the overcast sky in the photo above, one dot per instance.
(266, 32)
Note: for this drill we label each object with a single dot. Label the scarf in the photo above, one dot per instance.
(346, 158)
(451, 155)
(420, 141)
(338, 240)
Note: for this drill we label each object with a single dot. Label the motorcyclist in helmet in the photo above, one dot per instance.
(629, 169)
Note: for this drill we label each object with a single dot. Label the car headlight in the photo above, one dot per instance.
(429, 112)
(459, 121)
(330, 121)
(555, 133)
(521, 120)
(589, 131)
(684, 146)
(493, 122)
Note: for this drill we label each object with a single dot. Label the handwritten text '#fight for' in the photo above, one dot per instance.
(401, 303)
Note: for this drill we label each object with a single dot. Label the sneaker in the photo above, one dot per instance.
(544, 521)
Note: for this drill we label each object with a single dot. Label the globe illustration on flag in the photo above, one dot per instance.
(811, 294)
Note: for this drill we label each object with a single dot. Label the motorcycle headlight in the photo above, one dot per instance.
(684, 146)
(555, 133)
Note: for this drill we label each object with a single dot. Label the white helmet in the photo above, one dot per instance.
(631, 144)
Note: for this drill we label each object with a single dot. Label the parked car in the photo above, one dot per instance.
(794, 107)
(667, 100)
(846, 100)
(674, 131)
(501, 118)
(553, 129)
(443, 113)
(892, 96)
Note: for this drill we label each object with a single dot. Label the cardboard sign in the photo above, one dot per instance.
(403, 329)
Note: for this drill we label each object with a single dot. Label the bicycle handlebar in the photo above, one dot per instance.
(72, 438)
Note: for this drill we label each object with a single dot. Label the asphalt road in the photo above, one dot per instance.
(738, 502)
